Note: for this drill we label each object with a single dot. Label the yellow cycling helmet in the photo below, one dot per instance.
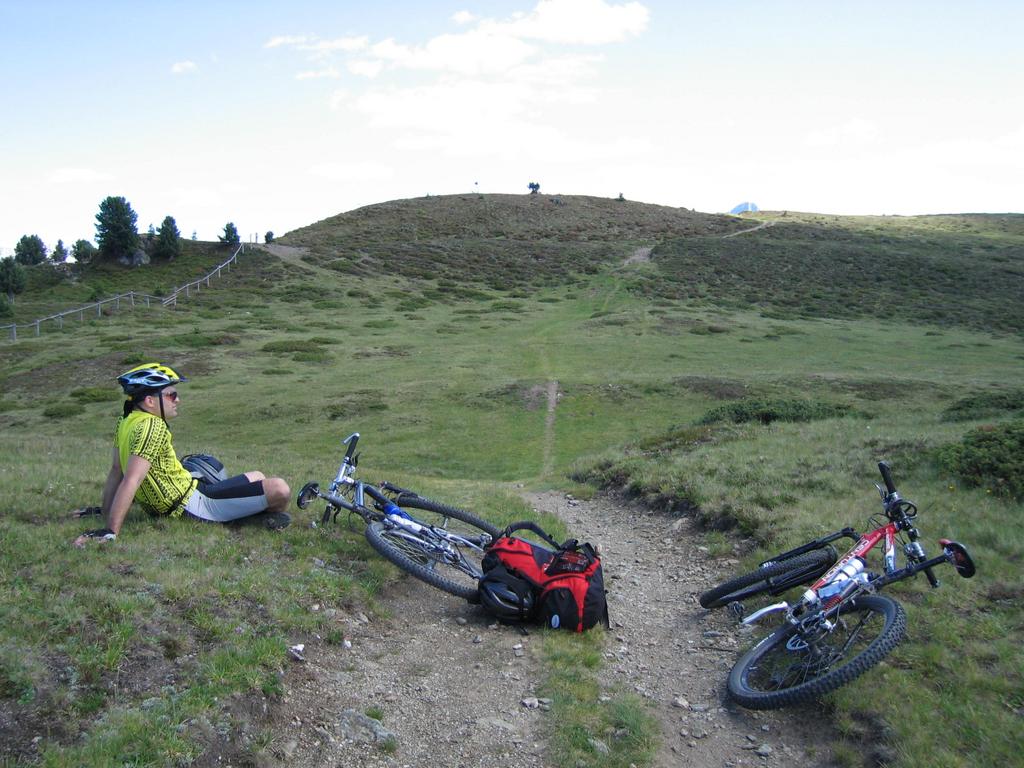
(147, 377)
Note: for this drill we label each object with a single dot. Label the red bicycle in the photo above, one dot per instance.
(840, 627)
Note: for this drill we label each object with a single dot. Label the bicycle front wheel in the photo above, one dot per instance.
(775, 578)
(793, 666)
(448, 558)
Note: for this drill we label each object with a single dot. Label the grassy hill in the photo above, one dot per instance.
(429, 325)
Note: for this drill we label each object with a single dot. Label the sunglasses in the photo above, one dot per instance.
(173, 396)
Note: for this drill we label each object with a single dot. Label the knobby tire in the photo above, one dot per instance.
(803, 569)
(417, 558)
(781, 671)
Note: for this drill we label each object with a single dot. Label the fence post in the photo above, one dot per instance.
(99, 306)
(37, 327)
(60, 321)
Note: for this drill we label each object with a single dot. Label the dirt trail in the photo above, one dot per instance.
(639, 256)
(450, 684)
(548, 460)
(762, 225)
(672, 652)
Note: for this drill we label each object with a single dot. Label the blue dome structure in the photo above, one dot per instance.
(745, 208)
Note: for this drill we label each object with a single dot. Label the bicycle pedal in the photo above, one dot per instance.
(736, 610)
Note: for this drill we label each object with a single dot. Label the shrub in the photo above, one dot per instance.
(291, 345)
(63, 410)
(767, 410)
(990, 455)
(981, 405)
(96, 394)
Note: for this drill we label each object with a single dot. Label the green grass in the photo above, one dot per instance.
(593, 728)
(448, 392)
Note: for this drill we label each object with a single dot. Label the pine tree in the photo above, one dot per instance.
(60, 253)
(168, 240)
(83, 251)
(116, 233)
(230, 236)
(12, 278)
(30, 250)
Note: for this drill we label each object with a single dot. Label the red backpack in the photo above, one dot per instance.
(523, 581)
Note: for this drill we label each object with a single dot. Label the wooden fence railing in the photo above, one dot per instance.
(132, 298)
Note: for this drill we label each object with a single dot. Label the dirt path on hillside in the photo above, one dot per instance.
(548, 459)
(639, 256)
(672, 652)
(293, 255)
(762, 225)
(449, 685)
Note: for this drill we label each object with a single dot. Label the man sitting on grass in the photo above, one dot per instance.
(146, 469)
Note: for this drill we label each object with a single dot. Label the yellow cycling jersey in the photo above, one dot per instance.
(168, 485)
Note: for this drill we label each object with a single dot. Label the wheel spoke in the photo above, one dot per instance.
(800, 663)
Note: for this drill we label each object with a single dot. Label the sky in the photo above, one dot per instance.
(275, 115)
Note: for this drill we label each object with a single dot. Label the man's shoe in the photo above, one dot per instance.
(275, 521)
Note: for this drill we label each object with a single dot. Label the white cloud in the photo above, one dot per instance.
(285, 40)
(586, 22)
(184, 67)
(855, 132)
(357, 171)
(77, 175)
(365, 67)
(469, 53)
(486, 46)
(329, 72)
(345, 44)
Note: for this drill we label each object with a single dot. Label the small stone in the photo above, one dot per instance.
(289, 748)
(346, 644)
(517, 647)
(531, 702)
(764, 750)
(599, 746)
(680, 703)
(477, 639)
(362, 618)
(461, 621)
(518, 652)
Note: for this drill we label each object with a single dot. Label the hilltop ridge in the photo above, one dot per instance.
(521, 217)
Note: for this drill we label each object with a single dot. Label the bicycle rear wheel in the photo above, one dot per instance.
(774, 578)
(450, 566)
(792, 667)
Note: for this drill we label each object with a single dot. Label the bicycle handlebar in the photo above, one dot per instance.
(886, 471)
(350, 441)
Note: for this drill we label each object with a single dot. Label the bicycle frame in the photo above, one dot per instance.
(388, 511)
(900, 514)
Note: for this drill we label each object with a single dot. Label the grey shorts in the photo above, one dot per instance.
(227, 500)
